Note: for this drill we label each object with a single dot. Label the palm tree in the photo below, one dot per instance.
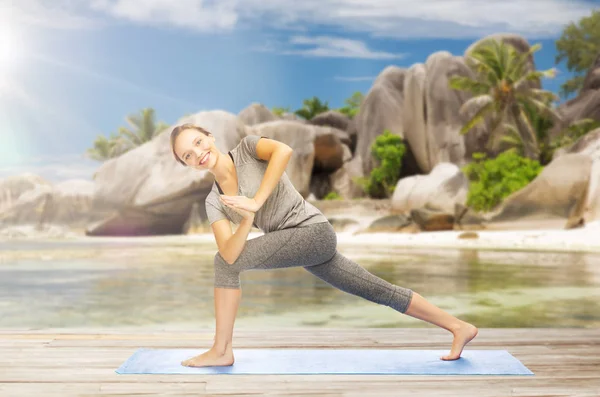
(105, 148)
(143, 129)
(311, 107)
(504, 91)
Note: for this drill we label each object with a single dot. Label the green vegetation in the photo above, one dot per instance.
(503, 91)
(311, 107)
(332, 196)
(389, 149)
(492, 180)
(279, 111)
(572, 133)
(142, 129)
(352, 104)
(579, 45)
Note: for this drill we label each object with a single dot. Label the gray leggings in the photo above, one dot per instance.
(313, 247)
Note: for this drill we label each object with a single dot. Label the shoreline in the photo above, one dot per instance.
(583, 239)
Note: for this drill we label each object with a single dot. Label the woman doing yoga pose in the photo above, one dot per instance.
(252, 189)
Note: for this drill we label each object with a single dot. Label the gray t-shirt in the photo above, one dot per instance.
(284, 208)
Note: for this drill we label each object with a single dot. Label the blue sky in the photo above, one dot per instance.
(70, 71)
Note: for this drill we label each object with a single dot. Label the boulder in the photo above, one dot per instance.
(256, 113)
(12, 187)
(342, 180)
(432, 221)
(586, 105)
(389, 223)
(433, 120)
(382, 108)
(300, 137)
(343, 224)
(68, 204)
(555, 199)
(329, 150)
(440, 190)
(148, 191)
(332, 118)
(592, 202)
(588, 145)
(419, 105)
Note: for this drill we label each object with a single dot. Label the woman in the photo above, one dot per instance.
(252, 189)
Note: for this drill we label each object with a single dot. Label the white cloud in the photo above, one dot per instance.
(400, 19)
(355, 78)
(53, 14)
(192, 14)
(326, 46)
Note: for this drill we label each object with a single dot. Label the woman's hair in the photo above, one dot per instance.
(178, 130)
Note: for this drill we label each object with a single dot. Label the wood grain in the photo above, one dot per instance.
(55, 362)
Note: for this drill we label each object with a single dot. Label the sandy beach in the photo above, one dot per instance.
(584, 239)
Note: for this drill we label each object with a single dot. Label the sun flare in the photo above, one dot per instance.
(9, 56)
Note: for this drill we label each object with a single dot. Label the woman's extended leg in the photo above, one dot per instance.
(348, 276)
(463, 332)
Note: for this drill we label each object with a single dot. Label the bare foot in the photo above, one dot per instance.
(210, 358)
(462, 335)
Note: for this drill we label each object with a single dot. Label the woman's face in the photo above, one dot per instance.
(196, 149)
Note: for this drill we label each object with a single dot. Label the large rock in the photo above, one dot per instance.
(586, 105)
(301, 138)
(342, 181)
(382, 108)
(69, 204)
(329, 149)
(592, 203)
(256, 113)
(340, 122)
(432, 221)
(432, 119)
(12, 187)
(440, 190)
(149, 191)
(332, 118)
(555, 199)
(588, 145)
(419, 105)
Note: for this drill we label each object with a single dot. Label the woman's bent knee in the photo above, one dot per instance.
(226, 275)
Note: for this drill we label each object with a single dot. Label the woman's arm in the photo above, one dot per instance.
(235, 245)
(278, 155)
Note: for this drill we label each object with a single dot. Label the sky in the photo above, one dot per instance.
(72, 70)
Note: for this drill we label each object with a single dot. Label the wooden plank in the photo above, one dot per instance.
(82, 362)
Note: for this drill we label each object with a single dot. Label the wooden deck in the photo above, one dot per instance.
(566, 362)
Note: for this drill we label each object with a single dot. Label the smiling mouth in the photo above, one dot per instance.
(204, 159)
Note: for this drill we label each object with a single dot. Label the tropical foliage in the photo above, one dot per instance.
(352, 104)
(492, 180)
(388, 149)
(503, 90)
(311, 107)
(572, 133)
(142, 128)
(579, 45)
(280, 111)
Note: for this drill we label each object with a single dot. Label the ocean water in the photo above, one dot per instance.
(166, 282)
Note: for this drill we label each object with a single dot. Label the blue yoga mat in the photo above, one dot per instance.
(330, 361)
